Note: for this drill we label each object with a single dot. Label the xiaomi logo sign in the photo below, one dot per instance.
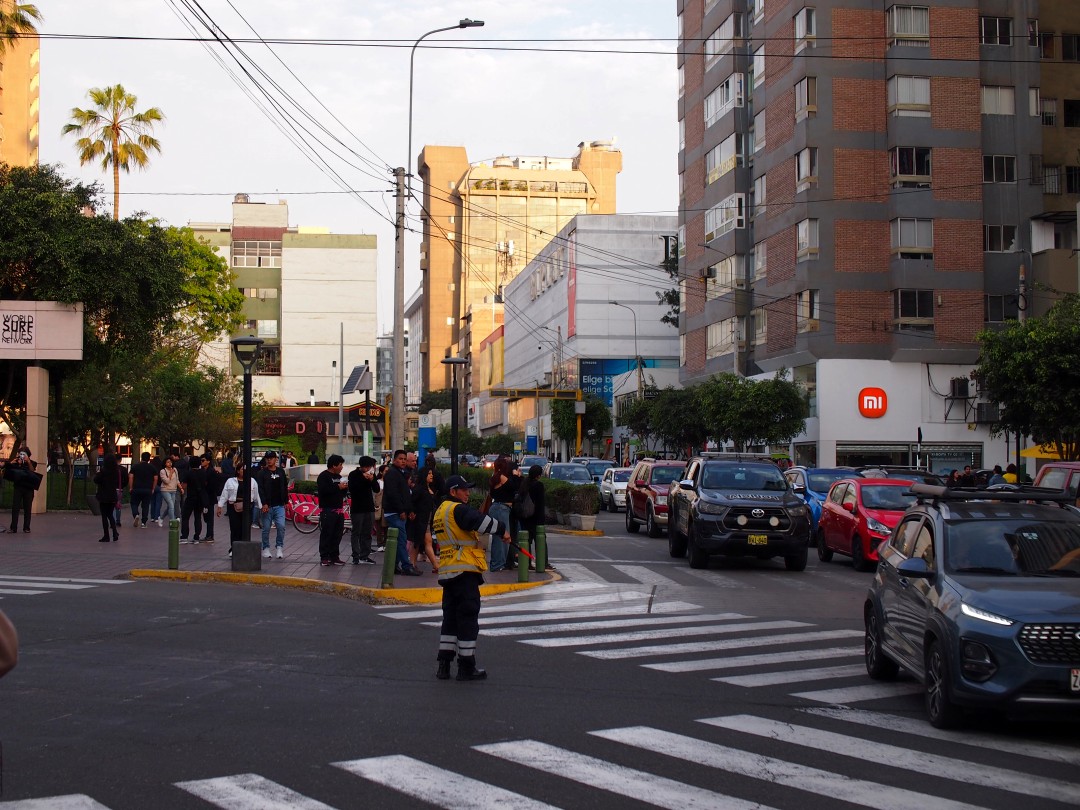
(873, 403)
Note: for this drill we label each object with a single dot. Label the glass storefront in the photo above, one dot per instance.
(940, 458)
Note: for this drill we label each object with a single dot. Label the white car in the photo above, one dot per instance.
(613, 488)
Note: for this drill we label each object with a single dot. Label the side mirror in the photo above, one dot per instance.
(914, 568)
(798, 489)
(686, 483)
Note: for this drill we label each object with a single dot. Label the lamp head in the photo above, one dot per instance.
(246, 350)
(467, 23)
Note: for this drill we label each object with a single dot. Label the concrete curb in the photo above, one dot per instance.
(409, 596)
(578, 532)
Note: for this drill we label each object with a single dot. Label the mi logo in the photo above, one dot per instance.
(873, 403)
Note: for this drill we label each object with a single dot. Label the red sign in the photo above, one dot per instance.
(873, 402)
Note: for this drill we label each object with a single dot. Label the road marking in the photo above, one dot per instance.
(21, 591)
(436, 786)
(72, 802)
(607, 600)
(570, 627)
(777, 771)
(857, 694)
(739, 661)
(721, 644)
(794, 676)
(716, 579)
(645, 575)
(580, 573)
(644, 787)
(646, 635)
(249, 791)
(44, 580)
(978, 739)
(638, 610)
(894, 756)
(56, 586)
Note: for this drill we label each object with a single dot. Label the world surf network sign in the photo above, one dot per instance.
(41, 330)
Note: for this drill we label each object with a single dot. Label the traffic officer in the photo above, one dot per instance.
(464, 536)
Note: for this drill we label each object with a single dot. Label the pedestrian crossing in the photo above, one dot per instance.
(36, 586)
(813, 757)
(669, 573)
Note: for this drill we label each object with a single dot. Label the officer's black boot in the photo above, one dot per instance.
(467, 670)
(443, 672)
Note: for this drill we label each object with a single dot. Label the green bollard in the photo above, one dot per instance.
(541, 548)
(523, 561)
(174, 544)
(389, 558)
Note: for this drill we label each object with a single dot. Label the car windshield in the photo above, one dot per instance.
(750, 477)
(528, 461)
(621, 476)
(570, 472)
(665, 475)
(821, 481)
(1019, 547)
(883, 496)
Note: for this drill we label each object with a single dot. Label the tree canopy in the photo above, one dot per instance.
(16, 20)
(1031, 369)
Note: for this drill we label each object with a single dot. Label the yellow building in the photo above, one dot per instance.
(483, 223)
(19, 100)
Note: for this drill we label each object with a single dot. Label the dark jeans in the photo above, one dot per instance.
(209, 521)
(140, 499)
(108, 520)
(460, 616)
(331, 527)
(236, 524)
(362, 524)
(24, 498)
(192, 506)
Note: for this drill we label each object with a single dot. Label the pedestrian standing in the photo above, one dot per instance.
(156, 498)
(534, 486)
(143, 479)
(22, 483)
(169, 483)
(424, 497)
(231, 500)
(195, 499)
(380, 519)
(110, 481)
(331, 489)
(363, 489)
(397, 500)
(215, 484)
(463, 534)
(273, 492)
(501, 490)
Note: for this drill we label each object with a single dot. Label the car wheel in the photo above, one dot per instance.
(797, 562)
(940, 709)
(611, 503)
(824, 553)
(697, 557)
(676, 541)
(878, 665)
(858, 556)
(650, 522)
(632, 525)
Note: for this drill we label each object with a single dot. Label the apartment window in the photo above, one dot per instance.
(1046, 45)
(999, 168)
(805, 28)
(913, 310)
(806, 307)
(909, 25)
(728, 215)
(720, 338)
(805, 98)
(807, 239)
(264, 329)
(998, 100)
(995, 31)
(269, 362)
(682, 80)
(1051, 179)
(1048, 109)
(1072, 113)
(723, 157)
(259, 292)
(682, 241)
(722, 40)
(759, 66)
(760, 319)
(1072, 179)
(999, 238)
(760, 196)
(1035, 172)
(682, 133)
(909, 96)
(1070, 47)
(759, 131)
(724, 98)
(1033, 33)
(760, 259)
(911, 166)
(913, 238)
(757, 7)
(1000, 308)
(1033, 101)
(256, 254)
(806, 168)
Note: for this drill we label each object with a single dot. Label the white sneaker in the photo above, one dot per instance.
(160, 523)
(266, 554)
(280, 553)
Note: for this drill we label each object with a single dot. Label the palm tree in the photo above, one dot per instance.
(16, 19)
(113, 131)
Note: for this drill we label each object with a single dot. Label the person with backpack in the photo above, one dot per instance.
(531, 494)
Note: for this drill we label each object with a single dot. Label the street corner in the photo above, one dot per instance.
(577, 532)
(343, 589)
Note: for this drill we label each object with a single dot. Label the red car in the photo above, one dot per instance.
(858, 514)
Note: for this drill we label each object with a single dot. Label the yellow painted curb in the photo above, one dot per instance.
(578, 532)
(416, 596)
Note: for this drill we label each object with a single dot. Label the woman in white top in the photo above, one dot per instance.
(170, 483)
(232, 499)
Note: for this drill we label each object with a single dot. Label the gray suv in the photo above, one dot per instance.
(744, 509)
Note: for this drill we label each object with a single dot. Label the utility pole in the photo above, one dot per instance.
(397, 414)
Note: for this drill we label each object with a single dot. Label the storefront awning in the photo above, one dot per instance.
(1042, 451)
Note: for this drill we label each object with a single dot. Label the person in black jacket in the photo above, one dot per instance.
(363, 486)
(331, 489)
(22, 483)
(274, 494)
(195, 498)
(396, 504)
(110, 481)
(215, 483)
(425, 497)
(535, 488)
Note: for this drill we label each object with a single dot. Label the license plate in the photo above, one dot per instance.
(1074, 680)
(758, 539)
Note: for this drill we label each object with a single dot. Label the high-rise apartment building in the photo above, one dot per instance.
(483, 222)
(858, 195)
(19, 77)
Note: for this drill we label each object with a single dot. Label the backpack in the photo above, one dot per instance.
(523, 504)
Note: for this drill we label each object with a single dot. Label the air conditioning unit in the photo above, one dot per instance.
(986, 413)
(958, 387)
(739, 283)
(812, 324)
(708, 272)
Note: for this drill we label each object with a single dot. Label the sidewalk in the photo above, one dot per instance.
(65, 544)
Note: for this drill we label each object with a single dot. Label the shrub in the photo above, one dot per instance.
(585, 500)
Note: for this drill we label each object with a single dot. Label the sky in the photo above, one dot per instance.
(496, 90)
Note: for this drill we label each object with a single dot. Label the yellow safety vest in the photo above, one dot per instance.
(460, 550)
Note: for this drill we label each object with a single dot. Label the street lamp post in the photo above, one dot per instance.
(454, 362)
(637, 357)
(245, 554)
(397, 420)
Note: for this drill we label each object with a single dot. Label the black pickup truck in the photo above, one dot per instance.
(742, 509)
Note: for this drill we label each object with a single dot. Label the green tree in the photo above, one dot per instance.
(1031, 369)
(437, 400)
(597, 418)
(502, 443)
(670, 298)
(749, 412)
(676, 417)
(15, 21)
(113, 132)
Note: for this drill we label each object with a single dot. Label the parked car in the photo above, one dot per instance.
(613, 488)
(744, 509)
(468, 460)
(596, 468)
(583, 459)
(1061, 475)
(488, 461)
(978, 597)
(647, 494)
(812, 484)
(571, 473)
(529, 461)
(858, 514)
(907, 473)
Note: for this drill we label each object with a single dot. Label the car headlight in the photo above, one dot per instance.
(985, 616)
(877, 526)
(709, 508)
(797, 511)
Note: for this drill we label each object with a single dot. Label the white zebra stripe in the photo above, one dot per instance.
(794, 676)
(607, 600)
(645, 575)
(72, 802)
(580, 573)
(642, 609)
(43, 580)
(249, 791)
(739, 661)
(646, 635)
(858, 694)
(8, 582)
(721, 644)
(607, 624)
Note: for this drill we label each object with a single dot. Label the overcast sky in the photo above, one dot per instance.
(501, 96)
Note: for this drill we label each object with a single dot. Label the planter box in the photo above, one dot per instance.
(585, 523)
(575, 521)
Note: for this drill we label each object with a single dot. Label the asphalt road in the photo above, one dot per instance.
(166, 695)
